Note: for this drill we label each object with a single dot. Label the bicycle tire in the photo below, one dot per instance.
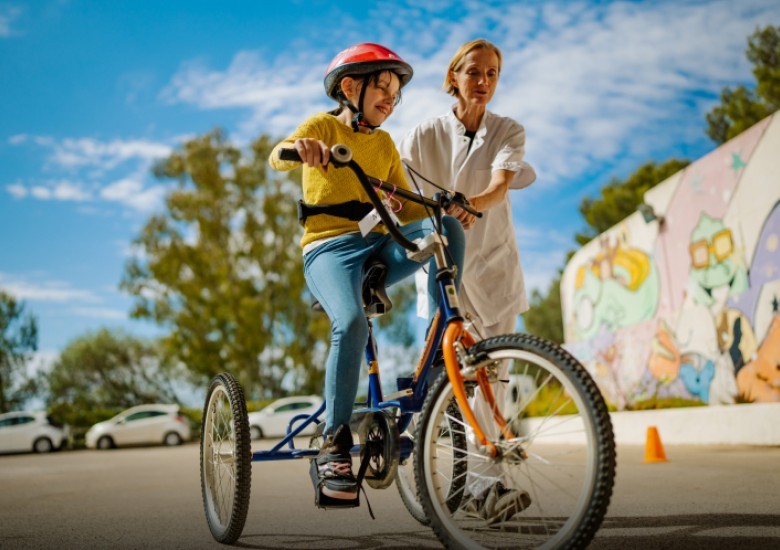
(405, 479)
(225, 459)
(568, 484)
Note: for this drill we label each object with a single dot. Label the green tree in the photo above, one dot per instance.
(103, 372)
(395, 325)
(110, 369)
(18, 340)
(544, 317)
(740, 108)
(619, 198)
(222, 270)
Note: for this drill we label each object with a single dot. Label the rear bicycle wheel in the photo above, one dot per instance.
(404, 480)
(225, 459)
(551, 484)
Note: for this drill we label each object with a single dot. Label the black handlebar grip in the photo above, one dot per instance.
(289, 154)
(463, 202)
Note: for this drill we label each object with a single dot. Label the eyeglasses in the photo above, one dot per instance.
(721, 247)
(386, 92)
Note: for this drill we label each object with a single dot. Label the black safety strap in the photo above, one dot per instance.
(361, 474)
(351, 210)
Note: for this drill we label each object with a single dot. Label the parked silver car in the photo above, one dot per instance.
(31, 431)
(142, 425)
(272, 421)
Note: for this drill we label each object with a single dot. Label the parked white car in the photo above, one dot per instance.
(31, 431)
(273, 420)
(141, 425)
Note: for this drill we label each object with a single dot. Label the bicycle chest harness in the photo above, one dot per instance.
(351, 210)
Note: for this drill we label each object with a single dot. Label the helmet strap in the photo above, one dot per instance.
(358, 118)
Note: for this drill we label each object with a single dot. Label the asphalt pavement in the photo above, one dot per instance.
(704, 497)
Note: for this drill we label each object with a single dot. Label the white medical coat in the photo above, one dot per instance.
(439, 150)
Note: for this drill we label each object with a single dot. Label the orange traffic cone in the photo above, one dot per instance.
(654, 449)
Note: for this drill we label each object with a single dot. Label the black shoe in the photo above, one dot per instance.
(333, 468)
(498, 504)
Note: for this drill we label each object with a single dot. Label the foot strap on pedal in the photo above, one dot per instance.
(321, 500)
(360, 476)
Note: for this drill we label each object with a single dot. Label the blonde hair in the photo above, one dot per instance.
(457, 61)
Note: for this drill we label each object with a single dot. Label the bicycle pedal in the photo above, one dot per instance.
(321, 500)
(408, 392)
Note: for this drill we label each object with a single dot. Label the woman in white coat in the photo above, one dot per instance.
(480, 154)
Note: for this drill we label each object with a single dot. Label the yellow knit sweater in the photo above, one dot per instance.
(374, 152)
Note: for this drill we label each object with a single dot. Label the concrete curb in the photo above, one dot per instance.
(753, 424)
(750, 424)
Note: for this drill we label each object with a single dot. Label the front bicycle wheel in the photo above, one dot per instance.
(225, 459)
(550, 484)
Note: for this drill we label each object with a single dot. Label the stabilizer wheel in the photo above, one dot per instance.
(225, 459)
(380, 439)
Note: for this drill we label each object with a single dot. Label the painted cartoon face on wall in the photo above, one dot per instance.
(618, 288)
(715, 262)
(759, 381)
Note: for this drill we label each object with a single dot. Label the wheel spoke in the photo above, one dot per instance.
(560, 461)
(225, 459)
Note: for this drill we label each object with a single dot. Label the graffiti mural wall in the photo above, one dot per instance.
(687, 305)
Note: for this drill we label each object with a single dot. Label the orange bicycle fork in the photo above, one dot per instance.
(456, 335)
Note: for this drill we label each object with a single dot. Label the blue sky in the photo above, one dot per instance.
(92, 92)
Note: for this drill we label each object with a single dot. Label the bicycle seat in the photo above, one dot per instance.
(375, 299)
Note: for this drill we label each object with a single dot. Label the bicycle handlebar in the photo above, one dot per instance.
(341, 156)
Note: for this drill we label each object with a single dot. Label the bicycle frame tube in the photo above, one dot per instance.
(455, 332)
(375, 396)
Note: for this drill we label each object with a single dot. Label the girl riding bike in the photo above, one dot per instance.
(342, 233)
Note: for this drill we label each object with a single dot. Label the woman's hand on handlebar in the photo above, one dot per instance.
(466, 219)
(313, 152)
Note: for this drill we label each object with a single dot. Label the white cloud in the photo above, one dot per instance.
(542, 253)
(131, 250)
(275, 94)
(74, 153)
(55, 190)
(8, 14)
(100, 313)
(42, 361)
(45, 291)
(589, 82)
(16, 190)
(81, 152)
(66, 191)
(95, 158)
(130, 191)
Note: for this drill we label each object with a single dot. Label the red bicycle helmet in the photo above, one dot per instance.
(363, 59)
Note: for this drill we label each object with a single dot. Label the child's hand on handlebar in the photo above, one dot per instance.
(313, 152)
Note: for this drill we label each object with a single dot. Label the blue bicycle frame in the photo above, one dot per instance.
(411, 390)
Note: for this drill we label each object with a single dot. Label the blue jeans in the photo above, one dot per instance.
(334, 273)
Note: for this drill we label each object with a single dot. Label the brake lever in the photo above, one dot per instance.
(460, 200)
